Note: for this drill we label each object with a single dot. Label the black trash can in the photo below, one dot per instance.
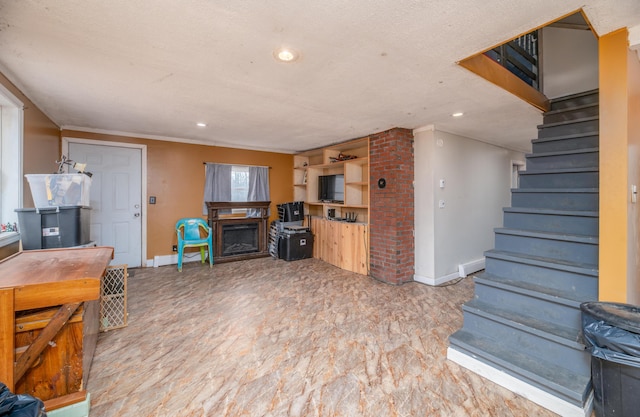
(612, 334)
(19, 405)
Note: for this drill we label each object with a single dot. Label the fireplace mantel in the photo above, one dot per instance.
(217, 223)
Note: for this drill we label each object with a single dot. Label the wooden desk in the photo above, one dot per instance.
(63, 279)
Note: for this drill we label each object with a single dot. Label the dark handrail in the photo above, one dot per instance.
(520, 56)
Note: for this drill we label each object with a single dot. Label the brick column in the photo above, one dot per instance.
(391, 208)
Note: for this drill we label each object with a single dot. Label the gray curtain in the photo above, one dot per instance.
(258, 187)
(217, 185)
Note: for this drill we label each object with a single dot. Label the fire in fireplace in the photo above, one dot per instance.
(239, 238)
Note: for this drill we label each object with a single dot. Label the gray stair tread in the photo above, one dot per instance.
(568, 136)
(592, 92)
(562, 297)
(535, 370)
(580, 268)
(529, 210)
(568, 122)
(515, 319)
(551, 331)
(558, 171)
(569, 109)
(559, 153)
(548, 235)
(555, 190)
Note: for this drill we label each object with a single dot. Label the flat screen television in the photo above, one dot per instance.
(331, 188)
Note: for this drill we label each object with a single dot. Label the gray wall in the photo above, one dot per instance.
(477, 178)
(569, 61)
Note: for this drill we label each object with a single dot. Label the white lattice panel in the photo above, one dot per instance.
(113, 298)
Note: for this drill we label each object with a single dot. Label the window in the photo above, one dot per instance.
(239, 183)
(235, 183)
(10, 161)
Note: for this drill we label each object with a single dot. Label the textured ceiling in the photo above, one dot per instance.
(154, 68)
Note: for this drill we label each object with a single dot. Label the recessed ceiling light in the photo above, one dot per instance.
(285, 54)
(458, 114)
(201, 124)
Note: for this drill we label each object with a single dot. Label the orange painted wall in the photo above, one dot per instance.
(41, 140)
(619, 169)
(175, 176)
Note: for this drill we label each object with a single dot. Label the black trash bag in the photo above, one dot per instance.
(612, 332)
(19, 405)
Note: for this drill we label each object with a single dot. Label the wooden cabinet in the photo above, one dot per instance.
(49, 319)
(342, 244)
(335, 241)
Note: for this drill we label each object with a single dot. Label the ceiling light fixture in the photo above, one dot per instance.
(201, 124)
(285, 54)
(458, 114)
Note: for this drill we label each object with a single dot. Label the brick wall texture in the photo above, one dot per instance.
(391, 211)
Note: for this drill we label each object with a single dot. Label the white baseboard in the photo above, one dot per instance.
(435, 281)
(79, 409)
(464, 269)
(469, 268)
(535, 394)
(163, 260)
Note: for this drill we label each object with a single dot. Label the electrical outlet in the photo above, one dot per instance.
(175, 248)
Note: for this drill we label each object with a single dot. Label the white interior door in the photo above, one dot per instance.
(116, 198)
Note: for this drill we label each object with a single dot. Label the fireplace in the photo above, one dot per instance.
(239, 238)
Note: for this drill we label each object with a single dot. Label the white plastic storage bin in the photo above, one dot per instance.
(50, 190)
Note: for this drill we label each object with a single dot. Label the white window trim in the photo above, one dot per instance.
(11, 168)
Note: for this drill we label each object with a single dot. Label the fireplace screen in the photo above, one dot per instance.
(239, 238)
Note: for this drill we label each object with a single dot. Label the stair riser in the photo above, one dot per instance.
(569, 128)
(548, 248)
(555, 201)
(577, 160)
(563, 356)
(572, 397)
(577, 225)
(560, 180)
(571, 114)
(584, 142)
(574, 101)
(540, 309)
(583, 286)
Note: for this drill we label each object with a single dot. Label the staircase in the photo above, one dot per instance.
(522, 327)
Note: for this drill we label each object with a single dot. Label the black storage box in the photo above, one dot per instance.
(55, 227)
(294, 246)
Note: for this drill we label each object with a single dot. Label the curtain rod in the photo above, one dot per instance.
(246, 165)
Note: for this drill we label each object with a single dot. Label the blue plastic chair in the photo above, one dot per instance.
(190, 236)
